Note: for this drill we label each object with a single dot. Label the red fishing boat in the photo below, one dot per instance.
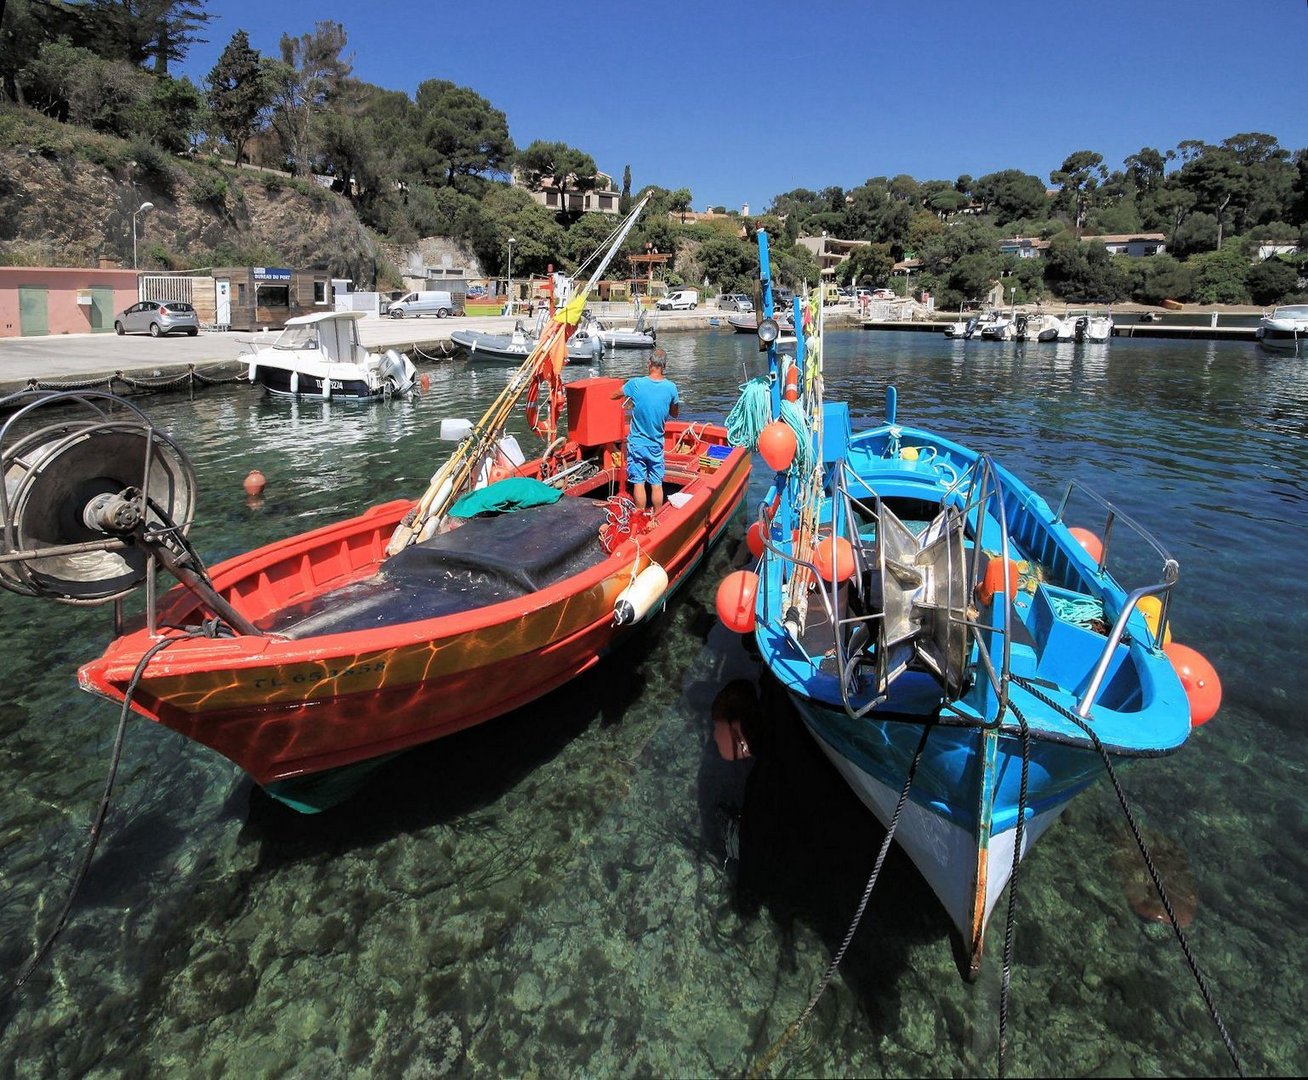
(310, 660)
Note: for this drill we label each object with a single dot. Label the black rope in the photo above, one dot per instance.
(190, 377)
(98, 823)
(764, 1062)
(1009, 922)
(1149, 865)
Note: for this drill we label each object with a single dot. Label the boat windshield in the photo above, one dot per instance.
(1291, 311)
(298, 337)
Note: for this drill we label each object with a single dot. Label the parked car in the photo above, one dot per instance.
(682, 299)
(158, 317)
(425, 302)
(735, 302)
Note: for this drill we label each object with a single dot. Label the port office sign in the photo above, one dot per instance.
(271, 273)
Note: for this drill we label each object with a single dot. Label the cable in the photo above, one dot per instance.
(1202, 983)
(97, 824)
(766, 1060)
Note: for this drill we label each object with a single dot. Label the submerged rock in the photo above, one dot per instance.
(1173, 868)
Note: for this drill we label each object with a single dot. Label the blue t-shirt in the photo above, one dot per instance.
(651, 404)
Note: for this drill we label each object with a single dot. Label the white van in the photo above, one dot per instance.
(687, 299)
(439, 304)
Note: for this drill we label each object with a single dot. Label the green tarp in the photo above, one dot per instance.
(503, 496)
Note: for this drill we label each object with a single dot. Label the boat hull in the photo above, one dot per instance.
(285, 708)
(298, 384)
(965, 868)
(961, 819)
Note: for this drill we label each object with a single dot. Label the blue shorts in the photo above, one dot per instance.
(644, 465)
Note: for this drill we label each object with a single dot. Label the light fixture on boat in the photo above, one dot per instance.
(768, 331)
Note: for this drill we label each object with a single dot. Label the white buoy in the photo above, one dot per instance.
(639, 598)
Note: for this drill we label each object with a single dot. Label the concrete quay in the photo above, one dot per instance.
(90, 357)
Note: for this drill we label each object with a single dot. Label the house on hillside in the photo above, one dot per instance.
(602, 199)
(1135, 245)
(830, 252)
(1024, 247)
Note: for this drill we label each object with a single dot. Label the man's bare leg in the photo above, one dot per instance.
(656, 491)
(638, 495)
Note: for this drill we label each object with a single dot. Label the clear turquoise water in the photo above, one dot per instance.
(551, 894)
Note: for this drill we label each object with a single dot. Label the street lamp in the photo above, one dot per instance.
(135, 214)
(511, 243)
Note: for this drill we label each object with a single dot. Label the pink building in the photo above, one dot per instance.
(62, 300)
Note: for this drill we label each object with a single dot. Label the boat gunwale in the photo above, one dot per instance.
(240, 652)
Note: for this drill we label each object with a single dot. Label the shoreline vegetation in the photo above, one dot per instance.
(1226, 223)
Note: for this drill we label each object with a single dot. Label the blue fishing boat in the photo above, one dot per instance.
(965, 659)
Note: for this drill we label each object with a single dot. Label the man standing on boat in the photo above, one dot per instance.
(653, 398)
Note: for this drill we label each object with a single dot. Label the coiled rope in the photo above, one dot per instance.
(1199, 979)
(1079, 611)
(761, 1066)
(751, 413)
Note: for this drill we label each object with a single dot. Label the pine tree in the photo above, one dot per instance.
(238, 92)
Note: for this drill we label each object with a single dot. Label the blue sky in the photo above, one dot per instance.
(742, 102)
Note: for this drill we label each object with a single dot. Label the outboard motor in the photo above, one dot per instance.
(1019, 327)
(1082, 324)
(397, 371)
(971, 326)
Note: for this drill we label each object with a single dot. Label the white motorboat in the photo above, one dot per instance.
(1285, 329)
(320, 356)
(969, 320)
(995, 326)
(1036, 326)
(584, 347)
(1084, 325)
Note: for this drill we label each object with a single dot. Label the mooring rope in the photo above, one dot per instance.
(1006, 976)
(1202, 983)
(190, 377)
(760, 1067)
(208, 629)
(447, 350)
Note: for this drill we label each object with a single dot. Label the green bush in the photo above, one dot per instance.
(154, 168)
(210, 189)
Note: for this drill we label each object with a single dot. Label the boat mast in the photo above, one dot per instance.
(543, 362)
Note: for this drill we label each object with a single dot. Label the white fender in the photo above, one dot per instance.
(639, 598)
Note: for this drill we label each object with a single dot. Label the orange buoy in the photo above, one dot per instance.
(777, 444)
(1199, 677)
(993, 580)
(424, 382)
(1089, 541)
(834, 558)
(735, 601)
(754, 539)
(254, 482)
(1152, 609)
(498, 473)
(792, 383)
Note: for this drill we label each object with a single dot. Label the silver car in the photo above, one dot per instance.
(158, 317)
(735, 302)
